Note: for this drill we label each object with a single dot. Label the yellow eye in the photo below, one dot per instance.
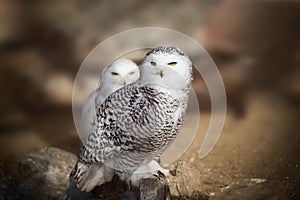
(114, 73)
(172, 64)
(131, 73)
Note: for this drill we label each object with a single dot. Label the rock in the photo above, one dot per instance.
(44, 174)
(178, 183)
(175, 186)
(154, 188)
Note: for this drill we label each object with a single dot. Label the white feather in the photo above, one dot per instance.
(127, 71)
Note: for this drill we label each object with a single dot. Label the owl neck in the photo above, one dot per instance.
(107, 89)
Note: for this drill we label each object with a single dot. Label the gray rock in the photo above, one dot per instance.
(44, 174)
(153, 188)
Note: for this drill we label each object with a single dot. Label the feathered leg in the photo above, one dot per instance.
(87, 176)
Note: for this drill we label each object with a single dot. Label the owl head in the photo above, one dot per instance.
(119, 73)
(168, 63)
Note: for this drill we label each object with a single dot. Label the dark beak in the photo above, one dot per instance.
(161, 74)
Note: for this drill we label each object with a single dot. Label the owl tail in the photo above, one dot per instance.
(87, 176)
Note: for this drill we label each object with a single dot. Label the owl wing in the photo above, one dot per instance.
(88, 116)
(135, 118)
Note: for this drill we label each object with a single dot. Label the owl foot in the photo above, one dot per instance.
(151, 170)
(159, 175)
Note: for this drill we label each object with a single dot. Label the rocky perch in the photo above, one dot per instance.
(41, 174)
(44, 174)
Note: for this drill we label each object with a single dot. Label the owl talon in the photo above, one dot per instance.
(161, 175)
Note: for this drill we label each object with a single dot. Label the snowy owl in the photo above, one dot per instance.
(138, 122)
(118, 74)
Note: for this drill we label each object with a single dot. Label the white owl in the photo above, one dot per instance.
(118, 74)
(138, 122)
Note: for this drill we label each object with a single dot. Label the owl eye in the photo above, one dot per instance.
(114, 73)
(131, 73)
(153, 63)
(172, 64)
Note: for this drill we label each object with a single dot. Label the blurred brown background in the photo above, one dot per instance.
(256, 46)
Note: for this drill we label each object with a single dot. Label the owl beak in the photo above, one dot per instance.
(160, 73)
